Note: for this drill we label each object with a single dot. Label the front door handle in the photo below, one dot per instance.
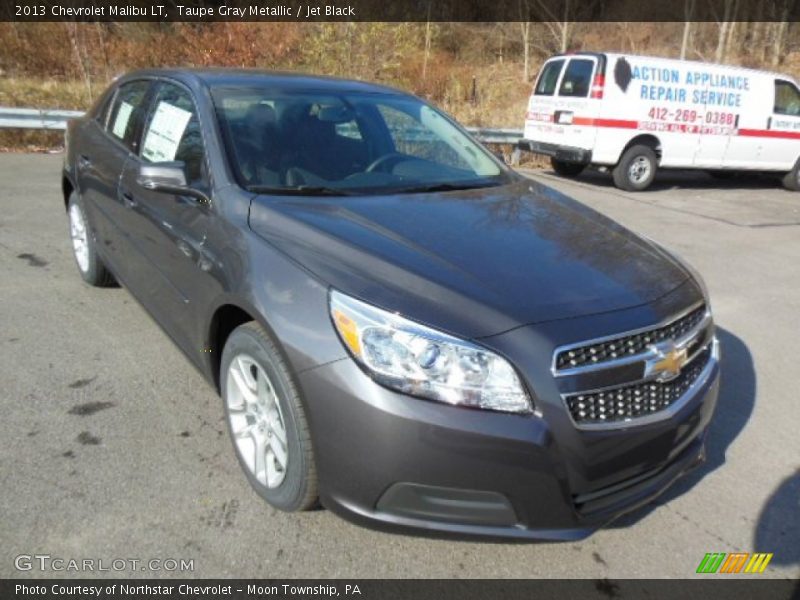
(84, 161)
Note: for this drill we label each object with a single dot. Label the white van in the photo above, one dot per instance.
(636, 114)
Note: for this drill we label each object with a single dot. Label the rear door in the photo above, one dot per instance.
(565, 102)
(100, 156)
(782, 138)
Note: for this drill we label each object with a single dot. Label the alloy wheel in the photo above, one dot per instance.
(639, 169)
(256, 421)
(79, 235)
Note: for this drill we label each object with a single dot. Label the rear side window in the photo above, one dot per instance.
(126, 112)
(546, 86)
(577, 78)
(787, 99)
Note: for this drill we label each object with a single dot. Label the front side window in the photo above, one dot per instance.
(787, 99)
(577, 78)
(126, 112)
(346, 143)
(546, 86)
(172, 132)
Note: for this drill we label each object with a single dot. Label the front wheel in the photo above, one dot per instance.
(266, 420)
(567, 169)
(90, 266)
(636, 169)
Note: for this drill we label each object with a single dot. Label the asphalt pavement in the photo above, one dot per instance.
(114, 448)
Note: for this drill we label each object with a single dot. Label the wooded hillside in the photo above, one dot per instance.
(480, 72)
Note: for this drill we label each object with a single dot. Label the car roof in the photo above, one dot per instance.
(222, 77)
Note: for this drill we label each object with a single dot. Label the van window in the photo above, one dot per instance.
(787, 99)
(577, 78)
(546, 86)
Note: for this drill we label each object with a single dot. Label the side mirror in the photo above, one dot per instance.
(167, 177)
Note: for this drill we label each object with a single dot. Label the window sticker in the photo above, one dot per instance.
(165, 132)
(121, 121)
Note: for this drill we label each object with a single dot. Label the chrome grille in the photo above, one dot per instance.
(638, 400)
(629, 345)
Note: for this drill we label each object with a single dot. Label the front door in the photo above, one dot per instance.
(170, 229)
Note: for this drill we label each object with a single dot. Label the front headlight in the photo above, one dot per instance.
(423, 362)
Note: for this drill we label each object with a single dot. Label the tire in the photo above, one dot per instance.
(791, 181)
(84, 250)
(567, 169)
(255, 421)
(636, 169)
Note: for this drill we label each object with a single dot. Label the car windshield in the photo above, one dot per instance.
(349, 143)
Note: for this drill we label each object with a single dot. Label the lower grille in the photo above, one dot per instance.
(638, 400)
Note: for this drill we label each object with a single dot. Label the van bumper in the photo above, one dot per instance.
(564, 153)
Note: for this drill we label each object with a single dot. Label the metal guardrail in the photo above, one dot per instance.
(34, 118)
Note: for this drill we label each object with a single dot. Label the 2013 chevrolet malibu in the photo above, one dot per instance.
(400, 327)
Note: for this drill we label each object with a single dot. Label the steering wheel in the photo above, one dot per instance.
(381, 163)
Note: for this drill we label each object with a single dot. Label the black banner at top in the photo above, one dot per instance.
(398, 10)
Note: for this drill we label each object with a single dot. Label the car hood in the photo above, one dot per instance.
(472, 262)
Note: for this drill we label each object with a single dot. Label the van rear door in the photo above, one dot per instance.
(565, 102)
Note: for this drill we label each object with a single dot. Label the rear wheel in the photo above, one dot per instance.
(266, 420)
(567, 169)
(791, 181)
(636, 169)
(90, 266)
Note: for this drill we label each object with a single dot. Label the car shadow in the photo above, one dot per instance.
(689, 179)
(737, 396)
(778, 527)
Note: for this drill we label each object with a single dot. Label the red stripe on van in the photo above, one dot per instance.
(771, 133)
(618, 123)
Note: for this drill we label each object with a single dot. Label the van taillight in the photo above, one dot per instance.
(597, 86)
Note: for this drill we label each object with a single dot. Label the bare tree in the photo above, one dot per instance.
(560, 27)
(428, 36)
(779, 28)
(730, 8)
(525, 30)
(80, 56)
(688, 13)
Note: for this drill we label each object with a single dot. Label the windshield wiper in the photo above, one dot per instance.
(446, 187)
(301, 190)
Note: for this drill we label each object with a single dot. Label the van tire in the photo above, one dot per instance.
(791, 181)
(636, 169)
(566, 169)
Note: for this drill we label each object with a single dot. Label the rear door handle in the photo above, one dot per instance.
(84, 161)
(128, 199)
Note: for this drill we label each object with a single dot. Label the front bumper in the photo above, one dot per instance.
(397, 463)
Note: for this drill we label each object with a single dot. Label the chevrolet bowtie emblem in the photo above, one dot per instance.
(667, 362)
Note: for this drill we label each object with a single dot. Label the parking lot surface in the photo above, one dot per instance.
(113, 446)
